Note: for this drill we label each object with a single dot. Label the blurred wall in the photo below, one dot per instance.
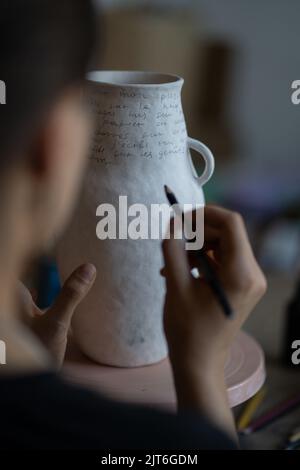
(267, 33)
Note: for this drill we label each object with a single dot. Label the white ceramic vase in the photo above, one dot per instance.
(140, 143)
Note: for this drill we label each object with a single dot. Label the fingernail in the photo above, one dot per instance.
(87, 272)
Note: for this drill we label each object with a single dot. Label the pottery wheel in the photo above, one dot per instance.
(153, 385)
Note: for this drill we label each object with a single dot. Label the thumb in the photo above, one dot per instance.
(72, 293)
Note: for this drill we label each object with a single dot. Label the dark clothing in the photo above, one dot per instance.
(44, 412)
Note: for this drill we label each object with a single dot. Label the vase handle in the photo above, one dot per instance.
(208, 158)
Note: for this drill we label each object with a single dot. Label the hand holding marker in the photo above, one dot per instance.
(205, 265)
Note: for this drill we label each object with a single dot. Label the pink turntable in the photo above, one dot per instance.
(153, 385)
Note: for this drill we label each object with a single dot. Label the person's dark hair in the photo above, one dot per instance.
(45, 45)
